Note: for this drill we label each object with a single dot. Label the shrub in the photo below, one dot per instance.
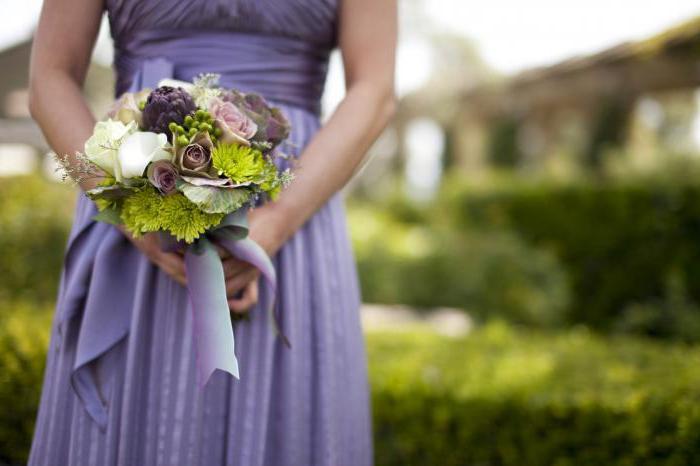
(502, 398)
(619, 243)
(35, 217)
(498, 397)
(422, 265)
(23, 343)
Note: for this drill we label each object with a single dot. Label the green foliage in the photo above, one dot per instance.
(499, 397)
(23, 344)
(416, 262)
(34, 224)
(214, 199)
(503, 148)
(619, 243)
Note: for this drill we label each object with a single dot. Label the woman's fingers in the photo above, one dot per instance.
(233, 267)
(223, 252)
(238, 282)
(247, 299)
(174, 265)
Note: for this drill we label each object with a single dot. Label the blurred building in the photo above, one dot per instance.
(22, 146)
(638, 98)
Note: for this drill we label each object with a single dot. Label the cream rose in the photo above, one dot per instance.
(103, 146)
(139, 149)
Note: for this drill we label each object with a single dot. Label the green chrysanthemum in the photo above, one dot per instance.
(240, 163)
(184, 219)
(141, 212)
(147, 211)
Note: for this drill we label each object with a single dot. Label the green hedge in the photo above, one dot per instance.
(24, 339)
(498, 397)
(403, 258)
(623, 246)
(503, 398)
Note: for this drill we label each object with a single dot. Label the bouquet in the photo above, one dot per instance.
(189, 160)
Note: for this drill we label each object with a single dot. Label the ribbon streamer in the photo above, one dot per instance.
(213, 333)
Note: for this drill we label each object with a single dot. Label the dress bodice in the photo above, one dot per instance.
(278, 48)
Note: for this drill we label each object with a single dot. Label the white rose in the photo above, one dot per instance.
(139, 149)
(101, 148)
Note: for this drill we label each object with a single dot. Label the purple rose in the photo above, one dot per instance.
(194, 159)
(163, 175)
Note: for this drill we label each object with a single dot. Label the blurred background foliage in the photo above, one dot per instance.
(558, 208)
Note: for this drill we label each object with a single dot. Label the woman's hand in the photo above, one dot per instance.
(242, 277)
(172, 263)
(241, 284)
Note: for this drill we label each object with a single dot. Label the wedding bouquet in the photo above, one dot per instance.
(181, 157)
(188, 160)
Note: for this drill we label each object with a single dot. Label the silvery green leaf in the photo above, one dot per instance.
(115, 191)
(218, 182)
(214, 200)
(111, 215)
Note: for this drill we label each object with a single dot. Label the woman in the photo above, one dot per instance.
(132, 398)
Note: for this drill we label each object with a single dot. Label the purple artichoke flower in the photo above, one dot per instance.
(164, 105)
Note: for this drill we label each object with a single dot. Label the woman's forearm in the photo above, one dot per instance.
(330, 159)
(59, 108)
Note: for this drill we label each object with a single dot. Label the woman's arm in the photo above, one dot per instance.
(60, 57)
(367, 39)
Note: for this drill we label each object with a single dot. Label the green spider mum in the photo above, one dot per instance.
(147, 211)
(141, 211)
(184, 219)
(242, 164)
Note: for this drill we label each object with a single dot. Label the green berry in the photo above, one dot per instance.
(195, 124)
(188, 120)
(218, 132)
(183, 140)
(205, 127)
(199, 114)
(172, 127)
(192, 132)
(180, 130)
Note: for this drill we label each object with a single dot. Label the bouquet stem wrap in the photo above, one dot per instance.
(214, 339)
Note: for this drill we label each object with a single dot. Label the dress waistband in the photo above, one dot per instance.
(284, 69)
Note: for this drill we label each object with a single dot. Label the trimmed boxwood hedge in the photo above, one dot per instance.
(501, 398)
(498, 397)
(624, 246)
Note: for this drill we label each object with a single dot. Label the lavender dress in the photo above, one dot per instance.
(120, 385)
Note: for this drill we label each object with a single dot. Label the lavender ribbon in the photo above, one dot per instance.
(213, 335)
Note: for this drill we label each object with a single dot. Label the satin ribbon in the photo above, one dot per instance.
(213, 335)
